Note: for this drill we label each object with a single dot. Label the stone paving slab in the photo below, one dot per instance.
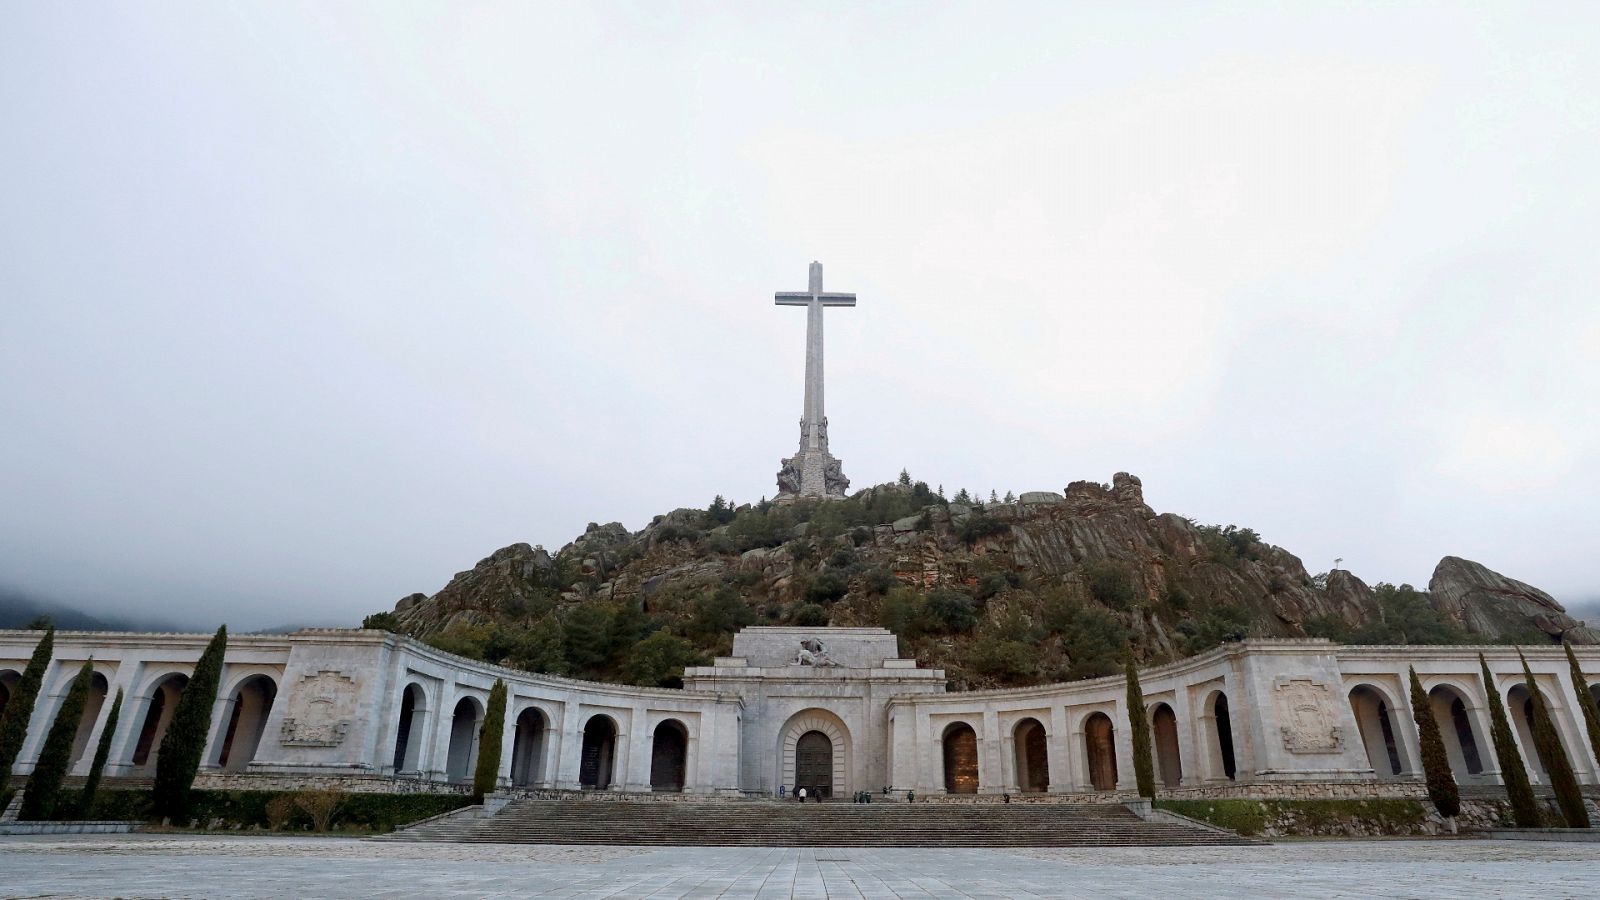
(249, 867)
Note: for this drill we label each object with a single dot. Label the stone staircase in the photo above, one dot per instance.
(771, 823)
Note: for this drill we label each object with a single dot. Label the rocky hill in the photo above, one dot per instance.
(1048, 587)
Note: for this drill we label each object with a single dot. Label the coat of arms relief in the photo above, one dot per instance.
(1306, 714)
(320, 710)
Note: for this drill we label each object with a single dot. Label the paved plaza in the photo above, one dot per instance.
(182, 866)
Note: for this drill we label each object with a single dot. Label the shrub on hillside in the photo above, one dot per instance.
(951, 611)
(1109, 582)
(826, 588)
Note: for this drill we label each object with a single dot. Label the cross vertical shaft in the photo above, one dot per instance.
(813, 472)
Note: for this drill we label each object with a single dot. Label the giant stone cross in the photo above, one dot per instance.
(813, 472)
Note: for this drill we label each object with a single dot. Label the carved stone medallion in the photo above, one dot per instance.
(321, 707)
(1306, 714)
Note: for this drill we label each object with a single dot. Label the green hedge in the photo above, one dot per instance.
(1305, 817)
(248, 809)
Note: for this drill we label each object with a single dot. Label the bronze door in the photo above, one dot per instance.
(813, 764)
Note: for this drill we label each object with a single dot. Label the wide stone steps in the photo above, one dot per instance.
(777, 824)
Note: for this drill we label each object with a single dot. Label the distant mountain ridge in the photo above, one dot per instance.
(1050, 586)
(18, 609)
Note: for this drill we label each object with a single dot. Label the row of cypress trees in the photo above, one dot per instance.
(1525, 811)
(181, 747)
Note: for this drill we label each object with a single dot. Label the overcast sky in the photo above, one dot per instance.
(307, 307)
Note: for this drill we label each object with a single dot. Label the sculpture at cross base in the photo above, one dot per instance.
(813, 471)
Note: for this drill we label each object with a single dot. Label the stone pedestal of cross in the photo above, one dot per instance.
(813, 472)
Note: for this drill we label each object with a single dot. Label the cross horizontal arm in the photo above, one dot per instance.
(801, 298)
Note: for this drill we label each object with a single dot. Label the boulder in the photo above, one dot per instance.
(1485, 602)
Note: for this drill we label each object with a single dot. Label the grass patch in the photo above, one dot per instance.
(1306, 817)
(247, 810)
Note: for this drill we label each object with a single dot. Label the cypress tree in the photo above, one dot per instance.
(44, 785)
(185, 740)
(14, 721)
(1144, 769)
(1524, 808)
(1435, 762)
(494, 727)
(1586, 701)
(1546, 740)
(101, 753)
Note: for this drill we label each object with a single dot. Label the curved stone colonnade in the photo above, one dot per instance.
(380, 710)
(1256, 712)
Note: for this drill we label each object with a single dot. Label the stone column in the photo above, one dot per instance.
(508, 743)
(1122, 745)
(929, 766)
(640, 750)
(86, 761)
(570, 748)
(991, 778)
(129, 721)
(1059, 755)
(1188, 759)
(52, 691)
(221, 717)
(437, 765)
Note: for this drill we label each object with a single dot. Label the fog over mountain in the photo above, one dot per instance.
(309, 308)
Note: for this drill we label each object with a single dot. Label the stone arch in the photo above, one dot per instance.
(1374, 715)
(597, 764)
(669, 756)
(1224, 760)
(99, 688)
(527, 747)
(829, 726)
(1519, 703)
(1031, 744)
(1100, 751)
(8, 683)
(960, 744)
(463, 756)
(161, 701)
(1461, 740)
(251, 703)
(410, 730)
(1164, 741)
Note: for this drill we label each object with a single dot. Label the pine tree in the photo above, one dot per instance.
(102, 752)
(1435, 762)
(993, 496)
(19, 709)
(489, 737)
(1144, 768)
(1009, 498)
(1569, 797)
(185, 741)
(1524, 808)
(1586, 701)
(44, 784)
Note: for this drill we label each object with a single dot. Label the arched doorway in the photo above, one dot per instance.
(252, 703)
(163, 702)
(599, 753)
(1033, 756)
(813, 764)
(1223, 761)
(463, 756)
(8, 683)
(960, 759)
(409, 730)
(1375, 722)
(1455, 727)
(527, 749)
(92, 704)
(1520, 703)
(1164, 740)
(669, 757)
(1100, 750)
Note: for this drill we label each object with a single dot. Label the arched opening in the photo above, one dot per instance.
(1455, 727)
(669, 757)
(1594, 691)
(599, 753)
(162, 704)
(960, 759)
(1100, 750)
(92, 704)
(409, 729)
(8, 683)
(813, 764)
(527, 748)
(1033, 756)
(1222, 755)
(1375, 722)
(1520, 703)
(247, 723)
(1164, 739)
(463, 756)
